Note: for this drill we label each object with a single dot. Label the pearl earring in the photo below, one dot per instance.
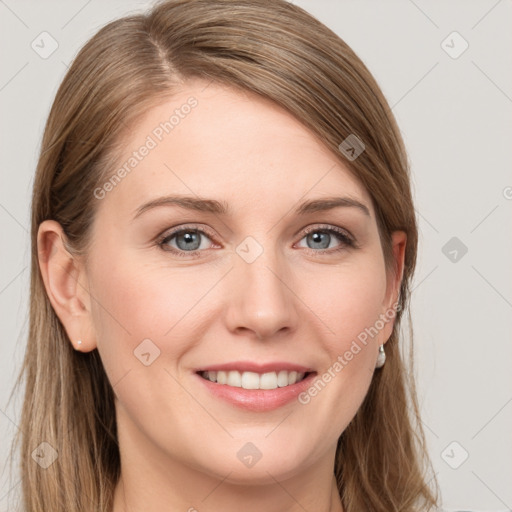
(381, 359)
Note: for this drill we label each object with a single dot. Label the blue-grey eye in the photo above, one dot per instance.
(320, 239)
(188, 241)
(185, 240)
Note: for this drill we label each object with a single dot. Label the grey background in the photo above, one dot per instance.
(455, 115)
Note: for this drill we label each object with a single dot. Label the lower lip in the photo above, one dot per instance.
(258, 400)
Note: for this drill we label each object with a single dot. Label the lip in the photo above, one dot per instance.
(256, 400)
(249, 366)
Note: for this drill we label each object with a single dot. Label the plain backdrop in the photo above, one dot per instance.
(445, 68)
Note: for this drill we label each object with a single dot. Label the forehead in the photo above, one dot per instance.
(214, 141)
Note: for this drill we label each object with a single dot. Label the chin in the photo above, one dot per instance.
(248, 465)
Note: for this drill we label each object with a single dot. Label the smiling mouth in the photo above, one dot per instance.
(253, 380)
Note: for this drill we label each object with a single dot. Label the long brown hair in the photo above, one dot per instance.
(281, 52)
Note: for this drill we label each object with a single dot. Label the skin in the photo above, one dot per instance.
(178, 443)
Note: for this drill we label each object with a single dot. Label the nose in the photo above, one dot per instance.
(262, 303)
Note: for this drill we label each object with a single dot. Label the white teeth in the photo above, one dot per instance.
(268, 381)
(252, 380)
(234, 379)
(282, 379)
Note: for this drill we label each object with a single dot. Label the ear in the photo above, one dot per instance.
(394, 281)
(65, 281)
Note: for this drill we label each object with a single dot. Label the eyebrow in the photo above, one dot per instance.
(222, 208)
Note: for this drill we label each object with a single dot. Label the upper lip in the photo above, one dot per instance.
(248, 366)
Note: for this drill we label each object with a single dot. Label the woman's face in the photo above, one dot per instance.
(239, 275)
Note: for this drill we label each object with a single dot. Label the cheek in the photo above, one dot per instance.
(348, 300)
(359, 304)
(136, 302)
(349, 307)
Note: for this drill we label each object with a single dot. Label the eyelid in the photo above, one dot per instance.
(169, 233)
(329, 228)
(350, 241)
(346, 239)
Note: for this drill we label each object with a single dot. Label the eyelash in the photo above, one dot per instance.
(343, 237)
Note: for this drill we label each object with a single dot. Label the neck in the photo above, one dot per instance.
(145, 485)
(155, 479)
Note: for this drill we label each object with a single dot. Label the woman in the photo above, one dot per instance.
(223, 240)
